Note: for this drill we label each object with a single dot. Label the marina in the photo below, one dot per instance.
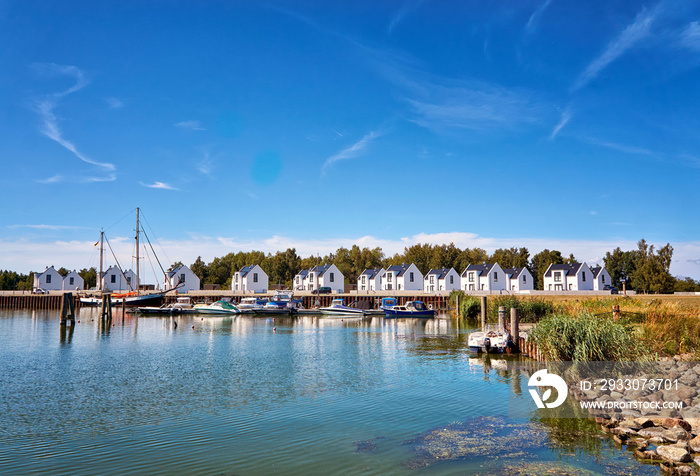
(245, 395)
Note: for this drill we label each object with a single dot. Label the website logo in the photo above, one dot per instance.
(542, 379)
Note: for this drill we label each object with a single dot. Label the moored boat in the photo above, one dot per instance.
(416, 309)
(338, 308)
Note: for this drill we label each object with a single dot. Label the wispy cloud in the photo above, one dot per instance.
(48, 227)
(639, 29)
(690, 36)
(534, 20)
(159, 185)
(191, 125)
(565, 116)
(402, 12)
(351, 151)
(114, 103)
(45, 108)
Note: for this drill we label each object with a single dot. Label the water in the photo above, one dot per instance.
(259, 396)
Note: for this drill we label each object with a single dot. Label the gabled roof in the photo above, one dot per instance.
(440, 272)
(399, 269)
(479, 268)
(568, 269)
(371, 272)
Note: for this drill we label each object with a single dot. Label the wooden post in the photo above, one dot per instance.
(515, 327)
(483, 313)
(616, 311)
(502, 317)
(106, 308)
(67, 309)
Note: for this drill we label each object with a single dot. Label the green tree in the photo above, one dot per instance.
(540, 262)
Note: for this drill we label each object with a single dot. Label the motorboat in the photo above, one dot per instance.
(220, 307)
(338, 308)
(250, 304)
(181, 306)
(491, 340)
(410, 309)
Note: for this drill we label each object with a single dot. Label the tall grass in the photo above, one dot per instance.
(587, 338)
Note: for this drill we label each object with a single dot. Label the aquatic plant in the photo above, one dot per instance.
(587, 338)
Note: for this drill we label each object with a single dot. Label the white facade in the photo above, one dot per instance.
(114, 280)
(73, 281)
(568, 277)
(402, 277)
(49, 280)
(484, 277)
(601, 278)
(443, 279)
(519, 279)
(370, 279)
(324, 276)
(250, 279)
(183, 279)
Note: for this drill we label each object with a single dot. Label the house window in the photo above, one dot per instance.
(410, 278)
(583, 276)
(495, 277)
(182, 278)
(255, 277)
(114, 278)
(331, 279)
(471, 277)
(71, 281)
(452, 279)
(557, 276)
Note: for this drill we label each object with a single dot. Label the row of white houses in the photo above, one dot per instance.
(252, 279)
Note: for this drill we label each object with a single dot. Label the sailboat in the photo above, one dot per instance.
(129, 298)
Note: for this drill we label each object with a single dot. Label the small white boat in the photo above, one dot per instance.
(493, 340)
(217, 308)
(338, 308)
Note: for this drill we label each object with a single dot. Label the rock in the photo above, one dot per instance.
(673, 454)
(695, 444)
(675, 434)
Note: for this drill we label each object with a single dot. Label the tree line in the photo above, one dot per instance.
(644, 269)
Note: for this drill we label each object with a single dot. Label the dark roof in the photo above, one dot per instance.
(479, 268)
(568, 269)
(440, 272)
(371, 272)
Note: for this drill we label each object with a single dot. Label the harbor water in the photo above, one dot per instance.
(247, 395)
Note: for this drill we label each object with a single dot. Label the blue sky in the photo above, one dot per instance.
(263, 125)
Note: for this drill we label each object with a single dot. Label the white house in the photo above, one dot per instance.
(251, 279)
(519, 279)
(324, 276)
(114, 280)
(49, 280)
(183, 279)
(442, 279)
(484, 277)
(73, 281)
(299, 280)
(568, 277)
(601, 278)
(370, 279)
(402, 277)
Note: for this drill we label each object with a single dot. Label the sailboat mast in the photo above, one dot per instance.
(138, 282)
(102, 249)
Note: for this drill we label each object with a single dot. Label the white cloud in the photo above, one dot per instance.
(351, 151)
(636, 31)
(159, 185)
(191, 125)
